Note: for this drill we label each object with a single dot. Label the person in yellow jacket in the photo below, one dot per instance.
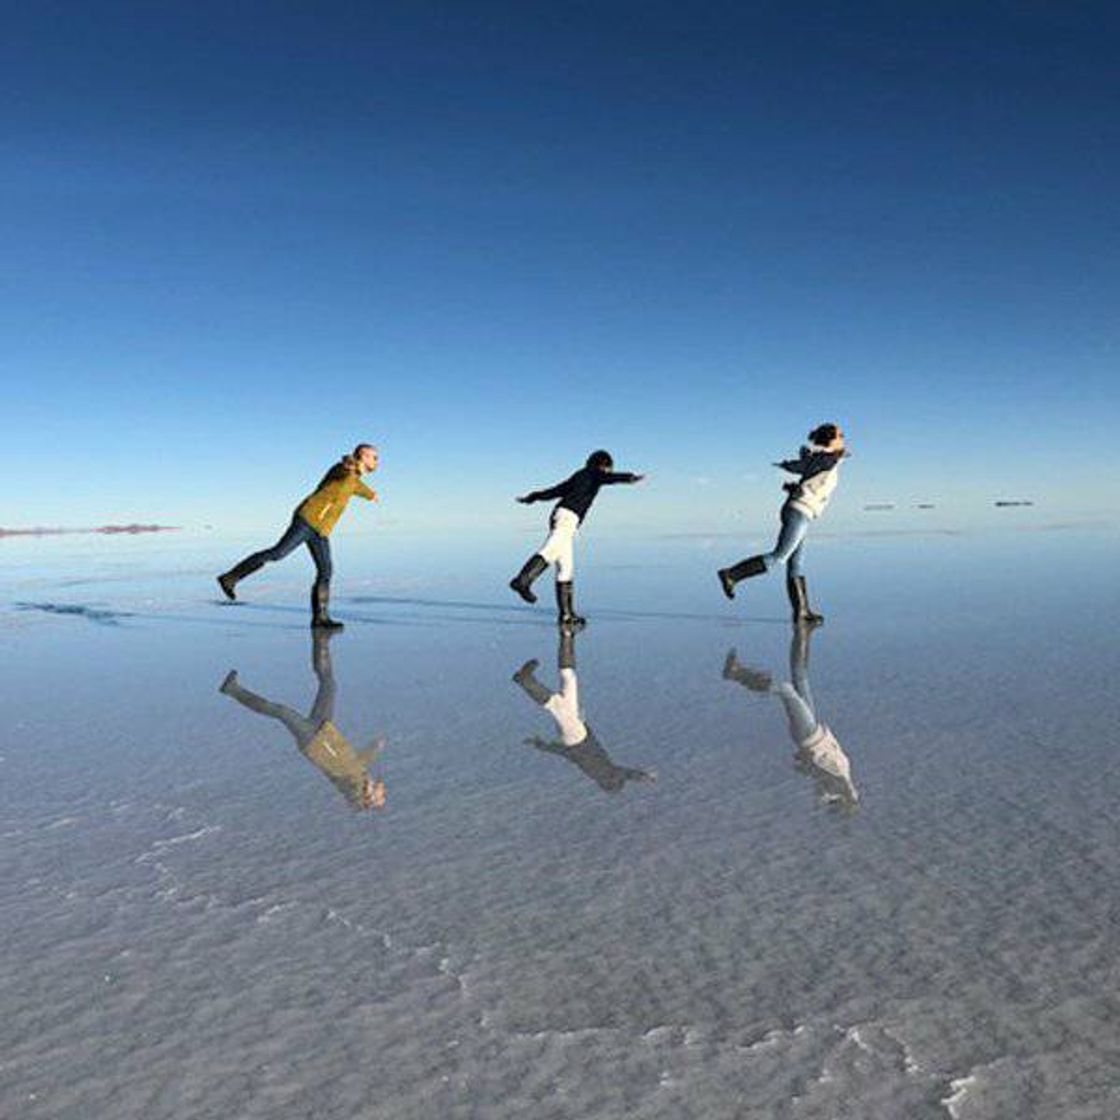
(311, 525)
(318, 739)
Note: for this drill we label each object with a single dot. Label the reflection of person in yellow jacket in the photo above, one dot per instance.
(818, 753)
(311, 525)
(578, 743)
(316, 735)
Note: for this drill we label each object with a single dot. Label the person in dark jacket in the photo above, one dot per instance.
(578, 743)
(817, 469)
(311, 524)
(576, 495)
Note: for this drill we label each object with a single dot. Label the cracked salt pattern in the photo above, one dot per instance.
(196, 924)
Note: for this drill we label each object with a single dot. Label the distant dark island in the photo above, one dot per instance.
(926, 505)
(107, 529)
(1011, 505)
(880, 506)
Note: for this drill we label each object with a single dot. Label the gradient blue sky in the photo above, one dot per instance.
(490, 237)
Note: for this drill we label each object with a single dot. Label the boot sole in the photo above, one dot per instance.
(227, 591)
(523, 592)
(728, 588)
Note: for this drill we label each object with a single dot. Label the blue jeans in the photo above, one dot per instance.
(297, 533)
(795, 525)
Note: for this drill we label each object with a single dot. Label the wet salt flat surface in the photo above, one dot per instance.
(921, 921)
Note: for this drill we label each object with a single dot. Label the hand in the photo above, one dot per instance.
(525, 499)
(638, 478)
(373, 496)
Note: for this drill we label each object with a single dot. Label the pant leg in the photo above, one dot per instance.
(323, 708)
(795, 525)
(320, 549)
(802, 720)
(799, 668)
(302, 729)
(559, 547)
(793, 564)
(293, 537)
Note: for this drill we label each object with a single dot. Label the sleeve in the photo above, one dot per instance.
(363, 491)
(798, 465)
(818, 463)
(612, 477)
(557, 491)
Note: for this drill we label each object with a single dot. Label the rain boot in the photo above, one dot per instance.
(799, 600)
(728, 577)
(566, 615)
(524, 677)
(320, 603)
(227, 581)
(524, 578)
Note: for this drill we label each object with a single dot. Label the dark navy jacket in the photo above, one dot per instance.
(578, 492)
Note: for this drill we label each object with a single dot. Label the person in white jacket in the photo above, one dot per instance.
(817, 750)
(817, 468)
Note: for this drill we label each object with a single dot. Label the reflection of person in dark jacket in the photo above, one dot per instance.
(818, 753)
(575, 495)
(817, 469)
(578, 743)
(316, 735)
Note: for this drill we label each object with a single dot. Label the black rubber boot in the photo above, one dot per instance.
(524, 578)
(320, 603)
(524, 677)
(728, 577)
(566, 654)
(566, 615)
(321, 651)
(227, 581)
(756, 680)
(803, 614)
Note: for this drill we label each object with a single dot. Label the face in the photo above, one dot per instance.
(367, 459)
(373, 793)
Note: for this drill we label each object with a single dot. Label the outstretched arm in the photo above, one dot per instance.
(369, 755)
(611, 477)
(795, 466)
(557, 491)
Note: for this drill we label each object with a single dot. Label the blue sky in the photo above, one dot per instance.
(491, 237)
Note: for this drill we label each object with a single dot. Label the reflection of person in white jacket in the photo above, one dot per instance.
(578, 743)
(818, 753)
(817, 469)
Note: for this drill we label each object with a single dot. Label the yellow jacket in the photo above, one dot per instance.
(336, 758)
(322, 509)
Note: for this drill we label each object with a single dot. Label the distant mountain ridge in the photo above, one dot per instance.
(108, 529)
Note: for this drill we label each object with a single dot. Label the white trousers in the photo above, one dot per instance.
(559, 548)
(563, 706)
